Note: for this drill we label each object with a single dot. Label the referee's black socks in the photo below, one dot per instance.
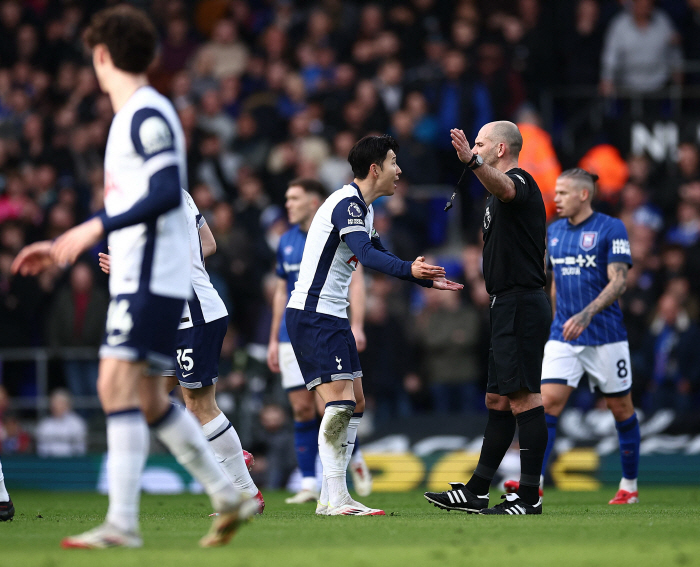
(532, 429)
(500, 429)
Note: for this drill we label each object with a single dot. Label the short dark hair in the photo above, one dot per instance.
(369, 150)
(129, 35)
(310, 186)
(579, 174)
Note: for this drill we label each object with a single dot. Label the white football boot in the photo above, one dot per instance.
(353, 509)
(102, 537)
(321, 509)
(302, 497)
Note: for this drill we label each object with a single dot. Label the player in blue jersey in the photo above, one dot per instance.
(145, 167)
(303, 198)
(340, 237)
(589, 254)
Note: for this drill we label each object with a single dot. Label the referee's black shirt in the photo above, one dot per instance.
(514, 238)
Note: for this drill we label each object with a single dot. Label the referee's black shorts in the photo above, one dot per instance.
(520, 324)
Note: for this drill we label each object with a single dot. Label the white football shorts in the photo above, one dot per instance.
(608, 366)
(289, 368)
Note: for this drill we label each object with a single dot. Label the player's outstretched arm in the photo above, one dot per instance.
(208, 240)
(33, 259)
(617, 276)
(74, 242)
(496, 182)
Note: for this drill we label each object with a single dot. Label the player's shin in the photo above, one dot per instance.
(181, 434)
(500, 429)
(228, 451)
(127, 450)
(332, 448)
(551, 421)
(532, 430)
(628, 434)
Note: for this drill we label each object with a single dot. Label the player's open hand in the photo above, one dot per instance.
(104, 262)
(423, 271)
(273, 356)
(447, 285)
(575, 325)
(33, 259)
(460, 143)
(75, 241)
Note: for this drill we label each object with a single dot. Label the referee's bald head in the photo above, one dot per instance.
(507, 133)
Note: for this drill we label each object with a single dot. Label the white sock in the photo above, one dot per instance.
(352, 435)
(332, 447)
(127, 450)
(179, 431)
(324, 491)
(4, 496)
(228, 451)
(628, 484)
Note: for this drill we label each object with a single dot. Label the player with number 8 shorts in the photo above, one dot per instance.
(589, 254)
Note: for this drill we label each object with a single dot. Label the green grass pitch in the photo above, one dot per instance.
(576, 529)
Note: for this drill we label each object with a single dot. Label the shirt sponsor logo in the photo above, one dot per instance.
(621, 246)
(588, 240)
(354, 210)
(571, 265)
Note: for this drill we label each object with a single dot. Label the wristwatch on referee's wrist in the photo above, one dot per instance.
(476, 162)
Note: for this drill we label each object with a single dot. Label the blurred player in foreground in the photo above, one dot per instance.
(340, 237)
(303, 198)
(7, 510)
(589, 253)
(200, 337)
(145, 166)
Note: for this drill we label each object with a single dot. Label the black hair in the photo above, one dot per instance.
(129, 35)
(370, 150)
(581, 174)
(310, 186)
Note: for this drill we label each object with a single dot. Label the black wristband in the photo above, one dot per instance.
(471, 161)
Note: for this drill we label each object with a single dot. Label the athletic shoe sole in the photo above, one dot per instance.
(451, 508)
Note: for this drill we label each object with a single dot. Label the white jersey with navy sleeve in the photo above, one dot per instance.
(579, 255)
(205, 305)
(144, 138)
(327, 263)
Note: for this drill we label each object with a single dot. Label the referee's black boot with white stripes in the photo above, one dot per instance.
(458, 498)
(513, 506)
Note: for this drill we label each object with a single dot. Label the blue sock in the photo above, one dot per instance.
(628, 433)
(552, 421)
(306, 446)
(356, 446)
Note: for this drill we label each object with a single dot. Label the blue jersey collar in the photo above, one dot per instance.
(570, 226)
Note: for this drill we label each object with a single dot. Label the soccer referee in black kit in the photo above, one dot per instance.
(514, 248)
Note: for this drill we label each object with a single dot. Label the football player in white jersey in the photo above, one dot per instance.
(200, 337)
(341, 235)
(7, 510)
(303, 198)
(145, 166)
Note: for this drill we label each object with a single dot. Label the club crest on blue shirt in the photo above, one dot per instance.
(588, 240)
(354, 210)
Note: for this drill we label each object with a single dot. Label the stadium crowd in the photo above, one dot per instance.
(269, 91)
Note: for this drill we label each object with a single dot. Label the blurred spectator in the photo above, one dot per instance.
(687, 230)
(672, 370)
(64, 433)
(642, 51)
(449, 334)
(274, 439)
(13, 438)
(224, 55)
(637, 210)
(583, 45)
(77, 319)
(335, 171)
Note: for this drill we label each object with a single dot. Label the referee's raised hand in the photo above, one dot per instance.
(460, 143)
(423, 271)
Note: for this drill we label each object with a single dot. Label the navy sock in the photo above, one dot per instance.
(552, 421)
(500, 429)
(532, 431)
(306, 446)
(628, 434)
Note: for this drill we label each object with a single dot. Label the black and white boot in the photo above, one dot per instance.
(512, 505)
(458, 498)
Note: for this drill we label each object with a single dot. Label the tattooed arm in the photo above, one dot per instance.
(617, 274)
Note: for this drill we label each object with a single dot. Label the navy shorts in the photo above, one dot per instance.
(324, 346)
(197, 353)
(142, 327)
